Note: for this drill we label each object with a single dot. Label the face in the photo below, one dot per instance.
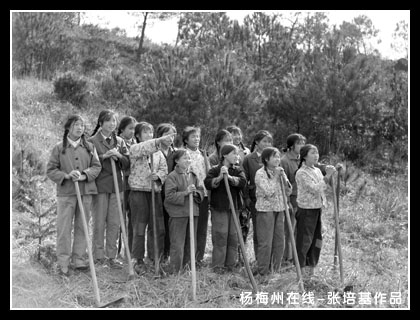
(128, 131)
(170, 131)
(226, 140)
(193, 140)
(109, 125)
(232, 157)
(312, 157)
(76, 130)
(146, 134)
(298, 145)
(264, 143)
(274, 160)
(237, 138)
(184, 162)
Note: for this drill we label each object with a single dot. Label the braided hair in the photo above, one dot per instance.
(67, 126)
(266, 155)
(304, 152)
(292, 139)
(259, 136)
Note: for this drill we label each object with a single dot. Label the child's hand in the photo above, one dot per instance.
(223, 170)
(74, 175)
(191, 188)
(154, 176)
(168, 139)
(330, 170)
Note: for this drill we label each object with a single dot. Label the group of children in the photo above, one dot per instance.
(144, 163)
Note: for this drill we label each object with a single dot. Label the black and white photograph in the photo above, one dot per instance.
(209, 160)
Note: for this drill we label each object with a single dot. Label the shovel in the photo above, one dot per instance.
(192, 245)
(291, 233)
(131, 275)
(239, 231)
(155, 244)
(338, 213)
(91, 264)
(337, 233)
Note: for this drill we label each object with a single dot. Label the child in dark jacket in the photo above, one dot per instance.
(224, 235)
(106, 220)
(73, 159)
(178, 185)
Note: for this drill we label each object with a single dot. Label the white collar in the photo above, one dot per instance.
(104, 136)
(73, 143)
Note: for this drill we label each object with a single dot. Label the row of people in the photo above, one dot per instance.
(253, 177)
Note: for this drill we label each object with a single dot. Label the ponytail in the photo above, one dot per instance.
(96, 128)
(66, 132)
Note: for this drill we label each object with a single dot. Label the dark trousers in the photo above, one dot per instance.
(288, 253)
(270, 234)
(202, 224)
(127, 216)
(308, 236)
(224, 238)
(180, 253)
(141, 211)
(167, 241)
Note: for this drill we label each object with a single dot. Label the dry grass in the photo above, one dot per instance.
(373, 224)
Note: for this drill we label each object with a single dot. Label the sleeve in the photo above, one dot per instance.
(199, 194)
(263, 187)
(208, 180)
(53, 167)
(172, 194)
(95, 166)
(306, 184)
(245, 190)
(162, 168)
(124, 161)
(142, 149)
(239, 179)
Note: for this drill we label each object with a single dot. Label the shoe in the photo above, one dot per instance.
(115, 264)
(64, 271)
(81, 266)
(99, 261)
(219, 270)
(140, 267)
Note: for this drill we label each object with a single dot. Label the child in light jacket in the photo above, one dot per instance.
(178, 186)
(140, 181)
(270, 211)
(311, 185)
(73, 159)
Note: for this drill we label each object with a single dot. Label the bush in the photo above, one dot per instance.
(72, 88)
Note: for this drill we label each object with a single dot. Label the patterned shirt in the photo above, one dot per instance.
(268, 191)
(198, 166)
(310, 188)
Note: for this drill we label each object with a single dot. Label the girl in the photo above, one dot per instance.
(167, 151)
(251, 164)
(270, 211)
(126, 131)
(236, 133)
(222, 137)
(179, 184)
(310, 199)
(200, 166)
(73, 159)
(140, 182)
(106, 221)
(224, 235)
(290, 162)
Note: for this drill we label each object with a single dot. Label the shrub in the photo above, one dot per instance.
(72, 88)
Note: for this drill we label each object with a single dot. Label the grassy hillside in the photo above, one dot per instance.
(373, 224)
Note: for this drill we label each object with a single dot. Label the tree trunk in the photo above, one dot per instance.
(143, 29)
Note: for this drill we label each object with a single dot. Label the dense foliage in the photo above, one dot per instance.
(282, 73)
